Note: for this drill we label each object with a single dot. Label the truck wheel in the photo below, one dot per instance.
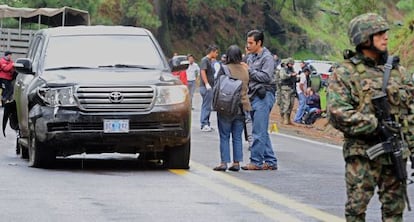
(24, 152)
(40, 156)
(178, 157)
(17, 147)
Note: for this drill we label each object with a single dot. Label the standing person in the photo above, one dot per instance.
(248, 119)
(170, 61)
(306, 65)
(301, 87)
(278, 61)
(223, 59)
(216, 66)
(206, 84)
(6, 77)
(233, 125)
(288, 78)
(352, 88)
(279, 85)
(262, 89)
(193, 71)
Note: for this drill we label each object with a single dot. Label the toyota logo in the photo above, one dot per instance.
(116, 97)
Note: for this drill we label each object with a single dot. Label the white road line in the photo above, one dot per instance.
(271, 213)
(309, 141)
(269, 195)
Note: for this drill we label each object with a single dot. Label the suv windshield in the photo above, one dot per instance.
(100, 51)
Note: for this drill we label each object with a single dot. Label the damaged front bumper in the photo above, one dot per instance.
(71, 132)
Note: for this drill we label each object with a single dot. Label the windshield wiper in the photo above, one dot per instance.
(127, 66)
(70, 67)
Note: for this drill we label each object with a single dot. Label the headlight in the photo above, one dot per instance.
(57, 96)
(168, 95)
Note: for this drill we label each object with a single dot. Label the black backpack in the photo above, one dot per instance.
(227, 94)
(310, 118)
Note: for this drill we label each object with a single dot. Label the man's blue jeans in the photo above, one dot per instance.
(301, 108)
(230, 126)
(207, 96)
(7, 92)
(262, 149)
(191, 88)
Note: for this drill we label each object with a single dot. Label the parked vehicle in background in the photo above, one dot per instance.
(322, 67)
(100, 89)
(179, 67)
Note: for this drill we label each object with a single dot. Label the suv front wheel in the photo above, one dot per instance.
(178, 157)
(40, 156)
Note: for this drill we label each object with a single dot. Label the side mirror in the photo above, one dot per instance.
(179, 63)
(24, 66)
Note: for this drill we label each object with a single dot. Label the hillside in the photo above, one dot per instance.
(303, 29)
(319, 33)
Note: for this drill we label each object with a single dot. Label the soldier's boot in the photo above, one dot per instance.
(286, 119)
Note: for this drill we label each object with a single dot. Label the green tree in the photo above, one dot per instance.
(139, 13)
(13, 3)
(406, 5)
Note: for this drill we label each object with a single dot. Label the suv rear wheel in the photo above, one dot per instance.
(21, 150)
(24, 152)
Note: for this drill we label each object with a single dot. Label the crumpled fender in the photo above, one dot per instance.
(10, 114)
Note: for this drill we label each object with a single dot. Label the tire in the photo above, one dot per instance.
(24, 152)
(40, 156)
(21, 151)
(178, 157)
(17, 147)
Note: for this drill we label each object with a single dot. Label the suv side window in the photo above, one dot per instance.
(34, 53)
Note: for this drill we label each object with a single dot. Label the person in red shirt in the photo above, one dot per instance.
(6, 77)
(179, 67)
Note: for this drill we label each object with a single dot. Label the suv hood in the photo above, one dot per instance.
(107, 77)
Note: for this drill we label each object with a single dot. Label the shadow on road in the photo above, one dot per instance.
(107, 163)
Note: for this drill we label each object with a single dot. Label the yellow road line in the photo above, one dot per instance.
(270, 195)
(271, 213)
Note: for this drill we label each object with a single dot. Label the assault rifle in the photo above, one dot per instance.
(393, 141)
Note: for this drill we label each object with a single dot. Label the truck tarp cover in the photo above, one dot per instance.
(51, 17)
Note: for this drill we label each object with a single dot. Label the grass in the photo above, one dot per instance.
(322, 95)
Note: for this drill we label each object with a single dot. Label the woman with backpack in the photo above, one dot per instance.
(233, 125)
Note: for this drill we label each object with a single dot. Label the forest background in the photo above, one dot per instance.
(303, 29)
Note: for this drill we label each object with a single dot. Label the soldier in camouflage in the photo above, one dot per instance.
(351, 87)
(288, 78)
(278, 85)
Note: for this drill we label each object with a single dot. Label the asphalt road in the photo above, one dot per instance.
(308, 186)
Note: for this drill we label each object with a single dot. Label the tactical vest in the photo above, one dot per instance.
(291, 81)
(368, 82)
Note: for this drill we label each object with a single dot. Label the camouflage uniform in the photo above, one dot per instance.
(288, 91)
(278, 84)
(350, 110)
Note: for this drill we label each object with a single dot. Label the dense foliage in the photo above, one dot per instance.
(308, 28)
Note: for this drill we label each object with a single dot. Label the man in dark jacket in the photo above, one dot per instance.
(262, 88)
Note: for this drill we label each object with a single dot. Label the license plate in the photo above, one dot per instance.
(116, 126)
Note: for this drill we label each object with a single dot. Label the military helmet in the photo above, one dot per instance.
(290, 60)
(363, 26)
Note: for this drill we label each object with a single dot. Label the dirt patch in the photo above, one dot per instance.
(320, 131)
